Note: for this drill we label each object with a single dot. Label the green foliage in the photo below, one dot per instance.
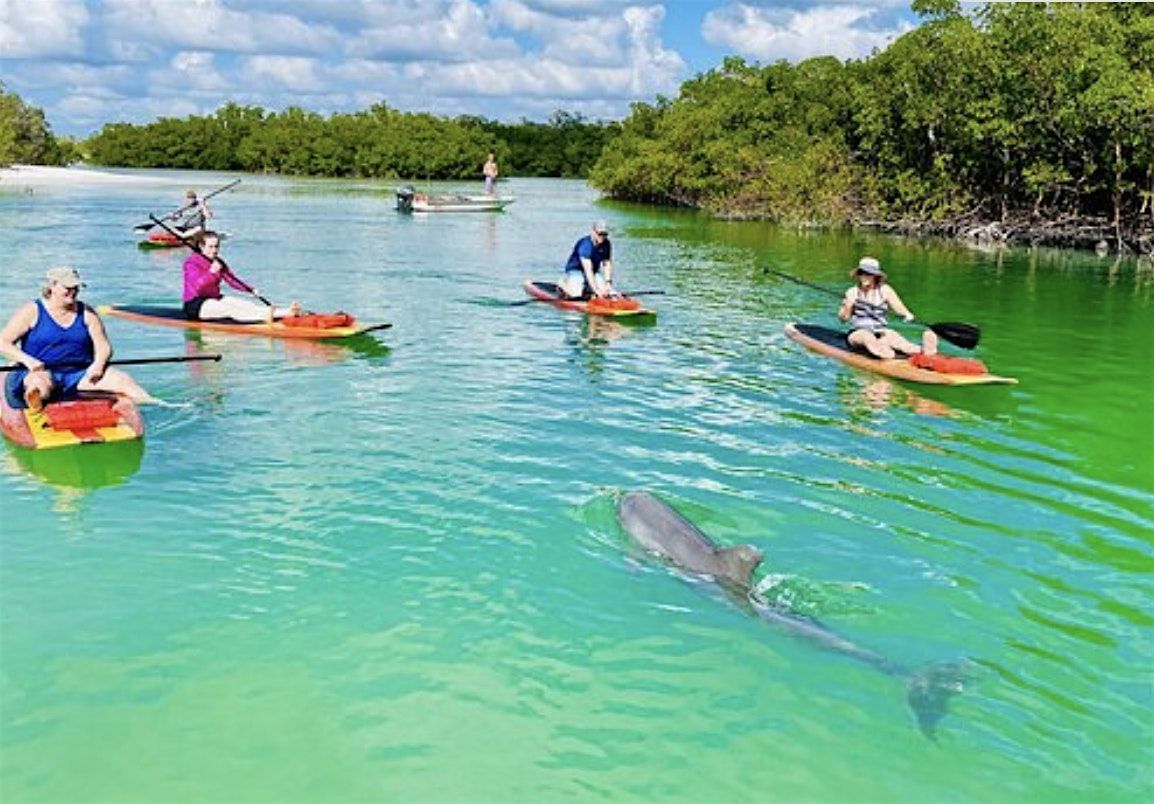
(1018, 109)
(377, 143)
(741, 140)
(25, 136)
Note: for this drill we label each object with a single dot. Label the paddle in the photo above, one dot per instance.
(140, 361)
(532, 299)
(223, 264)
(144, 227)
(964, 336)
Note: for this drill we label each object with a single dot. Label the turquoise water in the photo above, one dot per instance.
(391, 571)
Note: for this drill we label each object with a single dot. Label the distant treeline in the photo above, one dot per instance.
(379, 143)
(1020, 118)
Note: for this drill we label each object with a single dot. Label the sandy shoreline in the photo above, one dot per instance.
(23, 176)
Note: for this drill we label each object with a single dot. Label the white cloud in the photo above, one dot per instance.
(214, 25)
(278, 73)
(42, 28)
(503, 59)
(192, 70)
(769, 34)
(459, 32)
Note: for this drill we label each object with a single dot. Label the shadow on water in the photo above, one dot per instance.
(89, 466)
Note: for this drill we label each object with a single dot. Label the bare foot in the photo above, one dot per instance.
(33, 400)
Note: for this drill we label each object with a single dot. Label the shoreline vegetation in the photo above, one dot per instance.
(1026, 124)
(1015, 124)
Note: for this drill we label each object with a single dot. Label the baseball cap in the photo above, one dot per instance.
(869, 265)
(66, 276)
(601, 227)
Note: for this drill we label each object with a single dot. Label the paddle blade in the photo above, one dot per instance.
(964, 336)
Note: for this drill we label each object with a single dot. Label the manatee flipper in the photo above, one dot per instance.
(928, 692)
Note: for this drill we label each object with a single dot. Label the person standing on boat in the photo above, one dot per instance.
(589, 269)
(490, 173)
(62, 347)
(866, 305)
(204, 270)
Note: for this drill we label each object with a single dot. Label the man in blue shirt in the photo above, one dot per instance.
(589, 270)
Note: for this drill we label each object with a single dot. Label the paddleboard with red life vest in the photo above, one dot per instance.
(91, 419)
(622, 308)
(934, 369)
(161, 239)
(311, 326)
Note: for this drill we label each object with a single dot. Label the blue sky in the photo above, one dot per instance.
(91, 62)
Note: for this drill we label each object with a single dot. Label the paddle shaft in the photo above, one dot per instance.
(144, 227)
(530, 300)
(960, 334)
(140, 361)
(223, 264)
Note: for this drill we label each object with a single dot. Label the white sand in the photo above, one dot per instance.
(40, 176)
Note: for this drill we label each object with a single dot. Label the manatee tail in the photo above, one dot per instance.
(929, 690)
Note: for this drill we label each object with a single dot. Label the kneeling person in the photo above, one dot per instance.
(589, 269)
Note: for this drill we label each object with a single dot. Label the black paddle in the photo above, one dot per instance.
(532, 299)
(964, 336)
(144, 227)
(196, 248)
(139, 361)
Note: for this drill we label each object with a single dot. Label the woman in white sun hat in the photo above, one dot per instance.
(866, 306)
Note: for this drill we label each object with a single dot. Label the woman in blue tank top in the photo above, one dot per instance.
(866, 305)
(62, 346)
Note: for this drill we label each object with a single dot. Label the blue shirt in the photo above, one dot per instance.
(595, 253)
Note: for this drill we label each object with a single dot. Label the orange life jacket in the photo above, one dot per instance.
(82, 414)
(948, 364)
(319, 320)
(600, 304)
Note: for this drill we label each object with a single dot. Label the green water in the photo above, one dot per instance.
(391, 571)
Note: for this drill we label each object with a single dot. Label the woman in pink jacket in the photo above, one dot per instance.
(204, 270)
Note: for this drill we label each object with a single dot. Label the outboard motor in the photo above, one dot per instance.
(405, 198)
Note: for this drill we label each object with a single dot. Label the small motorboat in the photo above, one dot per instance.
(409, 200)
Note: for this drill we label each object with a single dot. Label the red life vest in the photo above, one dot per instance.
(82, 414)
(948, 364)
(599, 304)
(319, 320)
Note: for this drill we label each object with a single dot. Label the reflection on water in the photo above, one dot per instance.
(860, 395)
(596, 330)
(87, 466)
(297, 351)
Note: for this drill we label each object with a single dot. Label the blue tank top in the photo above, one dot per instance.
(57, 346)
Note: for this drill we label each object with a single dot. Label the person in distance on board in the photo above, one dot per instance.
(190, 220)
(204, 270)
(589, 269)
(62, 347)
(866, 305)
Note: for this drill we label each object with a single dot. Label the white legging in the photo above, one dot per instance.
(573, 283)
(239, 310)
